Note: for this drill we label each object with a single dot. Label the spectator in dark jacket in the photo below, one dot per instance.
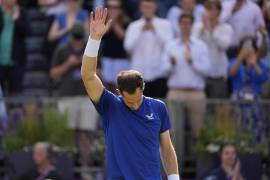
(13, 30)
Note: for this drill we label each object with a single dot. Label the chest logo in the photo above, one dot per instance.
(150, 117)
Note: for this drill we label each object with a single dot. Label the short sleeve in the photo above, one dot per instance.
(165, 121)
(106, 100)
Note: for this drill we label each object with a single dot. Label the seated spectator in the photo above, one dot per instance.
(188, 61)
(247, 72)
(64, 22)
(245, 17)
(145, 41)
(114, 57)
(230, 167)
(185, 7)
(66, 69)
(44, 168)
(13, 29)
(218, 36)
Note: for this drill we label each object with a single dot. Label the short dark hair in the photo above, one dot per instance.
(216, 3)
(186, 15)
(129, 81)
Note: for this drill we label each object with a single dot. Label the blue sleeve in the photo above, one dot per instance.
(264, 76)
(165, 121)
(106, 100)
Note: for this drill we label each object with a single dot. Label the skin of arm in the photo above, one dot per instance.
(168, 154)
(92, 83)
(55, 33)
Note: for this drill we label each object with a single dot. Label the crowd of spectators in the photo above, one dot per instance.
(188, 51)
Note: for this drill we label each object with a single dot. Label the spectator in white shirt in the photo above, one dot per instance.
(145, 41)
(185, 7)
(188, 61)
(245, 17)
(218, 36)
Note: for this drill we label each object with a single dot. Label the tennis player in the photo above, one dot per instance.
(136, 127)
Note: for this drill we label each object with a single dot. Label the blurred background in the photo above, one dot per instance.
(211, 67)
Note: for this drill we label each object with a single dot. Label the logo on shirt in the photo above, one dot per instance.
(150, 117)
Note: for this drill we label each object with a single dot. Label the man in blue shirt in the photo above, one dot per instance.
(136, 127)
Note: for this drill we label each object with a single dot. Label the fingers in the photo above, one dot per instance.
(91, 16)
(108, 24)
(105, 13)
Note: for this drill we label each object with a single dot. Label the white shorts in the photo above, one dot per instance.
(112, 66)
(80, 111)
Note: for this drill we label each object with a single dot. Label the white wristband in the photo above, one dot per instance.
(173, 177)
(92, 47)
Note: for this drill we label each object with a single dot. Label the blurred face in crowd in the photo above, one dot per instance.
(188, 5)
(73, 4)
(40, 155)
(114, 8)
(78, 43)
(133, 101)
(9, 3)
(213, 11)
(185, 26)
(148, 9)
(228, 155)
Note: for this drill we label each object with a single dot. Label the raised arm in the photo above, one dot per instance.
(98, 27)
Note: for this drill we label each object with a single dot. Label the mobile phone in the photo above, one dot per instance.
(248, 44)
(235, 161)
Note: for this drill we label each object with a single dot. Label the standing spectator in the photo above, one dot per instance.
(13, 29)
(187, 58)
(230, 167)
(247, 72)
(114, 57)
(185, 7)
(218, 37)
(64, 22)
(245, 17)
(44, 164)
(145, 41)
(66, 68)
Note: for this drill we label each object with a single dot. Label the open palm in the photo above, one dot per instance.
(98, 24)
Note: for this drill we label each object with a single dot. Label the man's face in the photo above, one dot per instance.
(185, 26)
(10, 3)
(213, 12)
(39, 155)
(148, 9)
(228, 155)
(188, 5)
(133, 101)
(78, 44)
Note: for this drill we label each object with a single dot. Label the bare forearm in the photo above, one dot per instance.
(170, 161)
(258, 70)
(119, 31)
(235, 67)
(58, 71)
(57, 34)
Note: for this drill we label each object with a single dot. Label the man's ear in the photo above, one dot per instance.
(118, 92)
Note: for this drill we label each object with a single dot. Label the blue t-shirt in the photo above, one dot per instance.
(62, 20)
(132, 137)
(248, 77)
